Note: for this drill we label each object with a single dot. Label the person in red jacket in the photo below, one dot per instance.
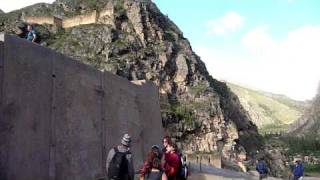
(172, 162)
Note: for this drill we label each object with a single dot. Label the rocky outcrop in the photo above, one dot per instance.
(276, 161)
(201, 113)
(310, 120)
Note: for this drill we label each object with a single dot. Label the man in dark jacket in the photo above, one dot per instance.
(298, 170)
(119, 164)
(262, 169)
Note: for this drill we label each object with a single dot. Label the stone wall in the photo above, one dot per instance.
(58, 117)
(94, 17)
(107, 11)
(80, 20)
(39, 20)
(211, 159)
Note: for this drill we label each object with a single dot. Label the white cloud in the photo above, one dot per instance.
(259, 40)
(11, 5)
(287, 66)
(230, 22)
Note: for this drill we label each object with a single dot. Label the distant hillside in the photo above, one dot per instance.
(310, 120)
(270, 112)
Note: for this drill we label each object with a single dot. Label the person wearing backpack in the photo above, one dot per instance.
(119, 164)
(262, 169)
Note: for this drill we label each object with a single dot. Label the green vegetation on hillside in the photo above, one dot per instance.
(270, 112)
(299, 146)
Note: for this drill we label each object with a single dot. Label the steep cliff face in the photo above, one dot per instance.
(138, 42)
(310, 120)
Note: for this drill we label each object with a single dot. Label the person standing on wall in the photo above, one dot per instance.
(31, 36)
(119, 164)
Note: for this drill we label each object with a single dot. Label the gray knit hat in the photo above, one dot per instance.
(126, 140)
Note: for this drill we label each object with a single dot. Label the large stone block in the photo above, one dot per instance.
(2, 132)
(148, 103)
(25, 117)
(59, 118)
(78, 120)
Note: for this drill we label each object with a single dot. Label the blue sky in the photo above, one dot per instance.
(264, 44)
(271, 45)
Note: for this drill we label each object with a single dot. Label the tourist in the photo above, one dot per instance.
(262, 168)
(155, 172)
(151, 169)
(146, 167)
(119, 164)
(172, 162)
(31, 36)
(166, 140)
(298, 170)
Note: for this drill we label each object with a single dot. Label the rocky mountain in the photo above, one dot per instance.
(136, 41)
(310, 120)
(270, 112)
(1, 12)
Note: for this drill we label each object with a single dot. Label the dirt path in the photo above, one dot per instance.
(210, 173)
(202, 176)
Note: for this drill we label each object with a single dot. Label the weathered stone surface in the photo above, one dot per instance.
(3, 142)
(121, 105)
(26, 110)
(78, 119)
(59, 117)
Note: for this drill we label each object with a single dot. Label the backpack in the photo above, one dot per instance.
(183, 170)
(118, 166)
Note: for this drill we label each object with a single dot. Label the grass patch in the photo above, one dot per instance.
(312, 168)
(197, 89)
(170, 36)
